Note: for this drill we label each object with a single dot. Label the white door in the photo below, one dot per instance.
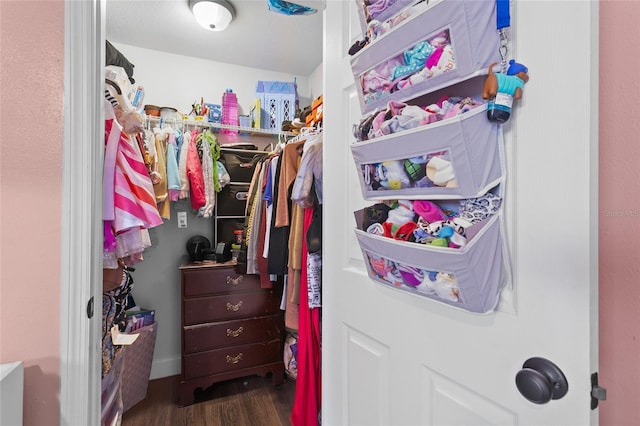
(391, 358)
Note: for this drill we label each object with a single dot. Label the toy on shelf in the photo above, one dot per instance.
(501, 89)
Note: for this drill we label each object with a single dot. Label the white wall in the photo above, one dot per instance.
(315, 82)
(178, 81)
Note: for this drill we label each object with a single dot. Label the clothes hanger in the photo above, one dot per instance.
(114, 85)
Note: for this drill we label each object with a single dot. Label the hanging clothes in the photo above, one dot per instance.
(206, 161)
(309, 173)
(269, 199)
(307, 403)
(129, 208)
(279, 236)
(290, 159)
(265, 279)
(306, 194)
(173, 174)
(159, 175)
(296, 236)
(290, 217)
(194, 173)
(252, 232)
(182, 166)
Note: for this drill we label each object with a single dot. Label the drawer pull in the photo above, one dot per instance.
(234, 308)
(234, 359)
(234, 281)
(234, 333)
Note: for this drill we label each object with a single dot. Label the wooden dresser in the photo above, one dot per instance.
(231, 327)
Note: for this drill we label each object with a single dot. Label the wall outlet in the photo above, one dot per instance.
(182, 219)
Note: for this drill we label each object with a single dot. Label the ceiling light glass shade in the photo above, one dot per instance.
(214, 15)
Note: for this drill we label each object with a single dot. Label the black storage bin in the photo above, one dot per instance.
(240, 163)
(232, 200)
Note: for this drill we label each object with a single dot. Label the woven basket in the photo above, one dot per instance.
(137, 366)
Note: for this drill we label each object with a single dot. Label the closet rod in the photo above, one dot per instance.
(253, 130)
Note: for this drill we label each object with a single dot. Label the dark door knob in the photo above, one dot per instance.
(540, 381)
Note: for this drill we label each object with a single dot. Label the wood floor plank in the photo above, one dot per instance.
(249, 401)
(259, 403)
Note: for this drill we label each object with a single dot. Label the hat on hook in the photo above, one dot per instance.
(515, 68)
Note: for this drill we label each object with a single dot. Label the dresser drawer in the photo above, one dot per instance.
(200, 282)
(209, 336)
(229, 306)
(230, 359)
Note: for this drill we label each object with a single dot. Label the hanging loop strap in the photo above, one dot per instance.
(504, 50)
(503, 21)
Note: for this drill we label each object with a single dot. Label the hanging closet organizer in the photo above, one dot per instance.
(467, 148)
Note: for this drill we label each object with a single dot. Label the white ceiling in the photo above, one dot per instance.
(256, 38)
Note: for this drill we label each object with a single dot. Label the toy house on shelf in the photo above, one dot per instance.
(278, 102)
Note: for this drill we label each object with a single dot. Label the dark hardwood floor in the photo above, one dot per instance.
(249, 401)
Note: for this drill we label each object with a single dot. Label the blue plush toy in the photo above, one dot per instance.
(501, 89)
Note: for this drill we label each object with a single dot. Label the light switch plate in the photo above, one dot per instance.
(182, 219)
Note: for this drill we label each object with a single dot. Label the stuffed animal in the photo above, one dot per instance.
(501, 89)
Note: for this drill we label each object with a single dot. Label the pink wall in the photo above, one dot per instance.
(31, 88)
(619, 212)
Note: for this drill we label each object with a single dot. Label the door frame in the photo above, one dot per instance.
(81, 251)
(81, 248)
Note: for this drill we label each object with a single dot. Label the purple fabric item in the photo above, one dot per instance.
(109, 243)
(396, 107)
(410, 275)
(378, 121)
(373, 81)
(410, 117)
(379, 78)
(378, 7)
(433, 59)
(398, 124)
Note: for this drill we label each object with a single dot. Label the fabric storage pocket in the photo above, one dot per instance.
(445, 44)
(469, 278)
(240, 164)
(379, 10)
(459, 157)
(232, 200)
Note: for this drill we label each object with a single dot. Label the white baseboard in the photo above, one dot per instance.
(164, 368)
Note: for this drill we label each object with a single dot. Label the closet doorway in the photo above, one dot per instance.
(344, 335)
(105, 7)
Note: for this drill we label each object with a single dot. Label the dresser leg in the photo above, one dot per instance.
(186, 395)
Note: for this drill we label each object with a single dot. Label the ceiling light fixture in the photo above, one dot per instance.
(214, 15)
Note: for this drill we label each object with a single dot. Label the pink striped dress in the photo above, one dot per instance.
(129, 200)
